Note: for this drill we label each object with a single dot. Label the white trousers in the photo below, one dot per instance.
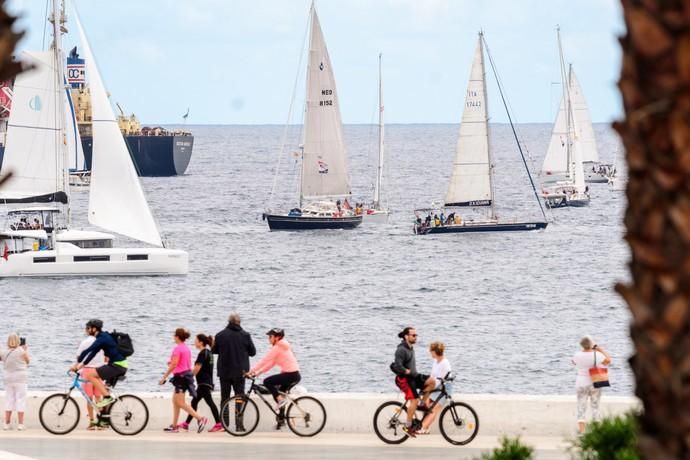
(15, 397)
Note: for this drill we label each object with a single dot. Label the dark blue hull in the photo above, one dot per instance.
(153, 156)
(483, 227)
(284, 222)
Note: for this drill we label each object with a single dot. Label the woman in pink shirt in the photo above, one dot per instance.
(180, 366)
(279, 355)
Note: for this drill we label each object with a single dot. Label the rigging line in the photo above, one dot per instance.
(45, 27)
(281, 149)
(512, 126)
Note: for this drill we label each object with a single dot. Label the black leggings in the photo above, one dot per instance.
(204, 392)
(281, 382)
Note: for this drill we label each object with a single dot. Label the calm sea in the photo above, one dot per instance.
(509, 307)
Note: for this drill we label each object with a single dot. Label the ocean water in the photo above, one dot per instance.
(510, 308)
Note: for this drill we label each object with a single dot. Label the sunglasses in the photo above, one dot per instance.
(412, 335)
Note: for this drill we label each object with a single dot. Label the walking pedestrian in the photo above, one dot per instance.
(234, 346)
(90, 370)
(203, 370)
(180, 366)
(590, 356)
(15, 362)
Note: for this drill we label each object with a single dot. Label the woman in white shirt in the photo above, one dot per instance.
(439, 370)
(15, 360)
(584, 361)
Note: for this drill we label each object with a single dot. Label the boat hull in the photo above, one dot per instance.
(484, 227)
(285, 222)
(564, 202)
(375, 217)
(153, 156)
(69, 260)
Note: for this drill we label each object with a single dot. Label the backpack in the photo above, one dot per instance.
(124, 343)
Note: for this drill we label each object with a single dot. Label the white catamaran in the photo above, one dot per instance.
(571, 139)
(471, 184)
(325, 182)
(378, 212)
(39, 240)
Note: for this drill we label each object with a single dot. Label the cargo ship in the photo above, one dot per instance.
(155, 151)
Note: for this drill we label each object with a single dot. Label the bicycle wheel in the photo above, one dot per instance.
(306, 416)
(389, 420)
(239, 415)
(59, 413)
(128, 415)
(459, 423)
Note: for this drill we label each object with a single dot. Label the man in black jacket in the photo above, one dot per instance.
(234, 346)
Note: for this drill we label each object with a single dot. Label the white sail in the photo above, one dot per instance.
(33, 133)
(116, 200)
(75, 151)
(583, 122)
(379, 169)
(470, 184)
(324, 162)
(556, 160)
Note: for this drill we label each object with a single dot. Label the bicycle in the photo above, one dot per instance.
(127, 415)
(458, 421)
(305, 415)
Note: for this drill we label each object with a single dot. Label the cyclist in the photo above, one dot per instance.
(116, 366)
(280, 355)
(407, 378)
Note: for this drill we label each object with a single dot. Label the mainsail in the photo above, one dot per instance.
(324, 161)
(116, 200)
(470, 184)
(581, 134)
(34, 137)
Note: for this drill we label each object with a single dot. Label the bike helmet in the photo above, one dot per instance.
(96, 323)
(276, 331)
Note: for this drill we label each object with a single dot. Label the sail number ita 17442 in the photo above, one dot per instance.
(326, 102)
(470, 101)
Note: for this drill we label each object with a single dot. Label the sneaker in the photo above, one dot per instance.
(105, 402)
(201, 424)
(20, 427)
(217, 427)
(93, 425)
(171, 429)
(184, 426)
(6, 427)
(280, 422)
(410, 431)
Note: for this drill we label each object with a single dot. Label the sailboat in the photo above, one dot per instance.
(324, 188)
(377, 213)
(472, 184)
(568, 144)
(39, 240)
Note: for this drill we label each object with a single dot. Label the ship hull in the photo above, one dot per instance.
(153, 156)
(283, 222)
(483, 227)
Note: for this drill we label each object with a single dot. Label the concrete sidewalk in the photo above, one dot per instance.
(39, 445)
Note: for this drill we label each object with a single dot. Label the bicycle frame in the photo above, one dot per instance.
(255, 388)
(443, 393)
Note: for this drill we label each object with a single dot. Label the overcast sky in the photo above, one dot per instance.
(236, 61)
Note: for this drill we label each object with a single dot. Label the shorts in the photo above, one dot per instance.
(88, 387)
(110, 372)
(410, 386)
(437, 392)
(182, 384)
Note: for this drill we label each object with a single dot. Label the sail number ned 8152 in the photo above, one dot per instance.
(326, 102)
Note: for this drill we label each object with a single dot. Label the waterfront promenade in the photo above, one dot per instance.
(545, 422)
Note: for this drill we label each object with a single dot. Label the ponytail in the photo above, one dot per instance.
(207, 340)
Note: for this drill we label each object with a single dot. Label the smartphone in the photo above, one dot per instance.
(22, 341)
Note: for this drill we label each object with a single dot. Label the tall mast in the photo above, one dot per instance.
(565, 79)
(379, 172)
(58, 19)
(306, 103)
(488, 136)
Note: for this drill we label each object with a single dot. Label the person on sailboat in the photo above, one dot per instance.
(116, 366)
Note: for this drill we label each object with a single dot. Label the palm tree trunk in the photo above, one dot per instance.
(655, 85)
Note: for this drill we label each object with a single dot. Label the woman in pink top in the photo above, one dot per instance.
(279, 355)
(180, 366)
